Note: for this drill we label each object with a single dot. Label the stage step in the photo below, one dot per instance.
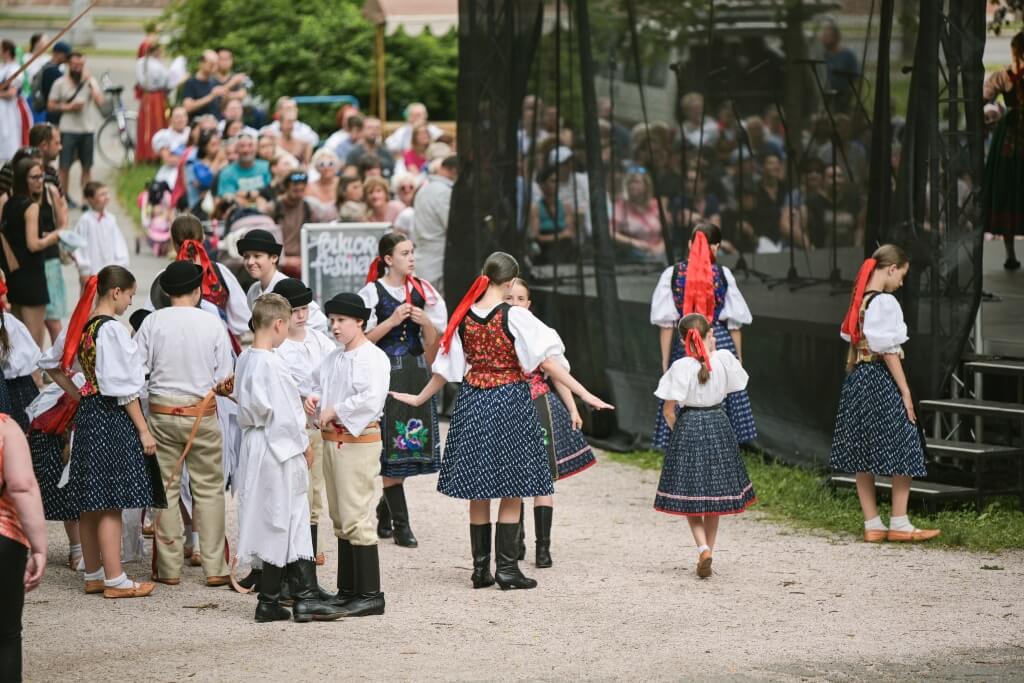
(969, 406)
(964, 449)
(930, 492)
(1009, 368)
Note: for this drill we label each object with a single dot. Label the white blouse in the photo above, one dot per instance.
(355, 384)
(303, 357)
(664, 313)
(48, 397)
(534, 342)
(237, 310)
(437, 312)
(682, 385)
(151, 74)
(884, 327)
(24, 354)
(317, 320)
(120, 370)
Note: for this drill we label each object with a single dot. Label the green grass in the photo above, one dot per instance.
(128, 183)
(799, 498)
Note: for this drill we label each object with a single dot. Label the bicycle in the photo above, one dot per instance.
(116, 139)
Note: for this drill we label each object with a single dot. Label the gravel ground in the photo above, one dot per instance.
(621, 602)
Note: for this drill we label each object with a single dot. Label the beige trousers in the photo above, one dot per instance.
(316, 475)
(350, 473)
(206, 474)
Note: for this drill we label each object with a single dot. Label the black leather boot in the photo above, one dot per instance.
(384, 529)
(522, 531)
(269, 607)
(395, 496)
(368, 600)
(252, 580)
(542, 529)
(507, 550)
(309, 606)
(346, 574)
(480, 539)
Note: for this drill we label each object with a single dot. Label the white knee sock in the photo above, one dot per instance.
(97, 575)
(901, 524)
(119, 582)
(194, 541)
(874, 524)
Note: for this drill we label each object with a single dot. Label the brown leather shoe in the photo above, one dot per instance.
(94, 586)
(218, 581)
(195, 560)
(140, 589)
(167, 582)
(875, 535)
(704, 565)
(147, 530)
(915, 536)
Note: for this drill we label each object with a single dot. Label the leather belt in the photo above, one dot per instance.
(342, 435)
(196, 410)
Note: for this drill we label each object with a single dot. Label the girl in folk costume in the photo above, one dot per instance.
(152, 80)
(703, 476)
(1002, 199)
(406, 320)
(108, 469)
(495, 446)
(876, 429)
(699, 285)
(273, 511)
(568, 451)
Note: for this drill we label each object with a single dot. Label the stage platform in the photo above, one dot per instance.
(1002, 317)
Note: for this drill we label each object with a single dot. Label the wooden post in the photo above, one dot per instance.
(381, 103)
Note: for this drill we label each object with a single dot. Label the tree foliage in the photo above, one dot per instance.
(318, 47)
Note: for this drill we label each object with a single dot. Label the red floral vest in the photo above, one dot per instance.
(490, 350)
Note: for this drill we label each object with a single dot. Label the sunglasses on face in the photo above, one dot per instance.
(298, 178)
(406, 188)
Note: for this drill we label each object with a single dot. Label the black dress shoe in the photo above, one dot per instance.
(271, 611)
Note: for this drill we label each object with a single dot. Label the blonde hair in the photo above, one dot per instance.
(695, 321)
(269, 308)
(324, 153)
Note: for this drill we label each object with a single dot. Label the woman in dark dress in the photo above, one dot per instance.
(1004, 169)
(23, 247)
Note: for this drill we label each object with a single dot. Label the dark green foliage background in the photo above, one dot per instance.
(318, 47)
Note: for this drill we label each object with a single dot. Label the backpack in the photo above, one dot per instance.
(38, 96)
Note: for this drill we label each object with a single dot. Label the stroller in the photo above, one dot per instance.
(156, 213)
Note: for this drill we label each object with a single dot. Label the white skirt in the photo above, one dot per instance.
(273, 511)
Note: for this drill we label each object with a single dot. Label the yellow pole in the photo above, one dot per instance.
(382, 111)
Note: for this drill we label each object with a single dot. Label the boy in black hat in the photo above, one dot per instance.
(273, 516)
(303, 351)
(350, 388)
(260, 253)
(186, 351)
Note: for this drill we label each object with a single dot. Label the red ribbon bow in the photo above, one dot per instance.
(695, 346)
(76, 326)
(851, 322)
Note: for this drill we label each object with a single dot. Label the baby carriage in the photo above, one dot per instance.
(157, 213)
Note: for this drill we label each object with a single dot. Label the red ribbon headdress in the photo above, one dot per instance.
(411, 283)
(476, 290)
(699, 295)
(376, 265)
(213, 290)
(76, 326)
(851, 322)
(694, 344)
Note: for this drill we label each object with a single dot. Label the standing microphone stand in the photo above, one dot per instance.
(744, 141)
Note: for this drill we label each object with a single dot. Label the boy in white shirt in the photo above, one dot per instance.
(302, 352)
(350, 389)
(104, 243)
(186, 351)
(260, 254)
(273, 514)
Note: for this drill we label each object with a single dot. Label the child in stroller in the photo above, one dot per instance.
(157, 213)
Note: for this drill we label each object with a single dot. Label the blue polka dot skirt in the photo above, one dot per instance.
(48, 463)
(737, 404)
(872, 432)
(703, 473)
(495, 446)
(108, 468)
(410, 436)
(22, 391)
(572, 452)
(5, 396)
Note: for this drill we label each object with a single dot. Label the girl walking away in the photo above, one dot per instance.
(699, 285)
(703, 476)
(495, 445)
(568, 452)
(407, 316)
(876, 430)
(109, 471)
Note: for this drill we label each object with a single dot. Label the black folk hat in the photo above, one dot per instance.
(348, 304)
(181, 277)
(259, 240)
(295, 290)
